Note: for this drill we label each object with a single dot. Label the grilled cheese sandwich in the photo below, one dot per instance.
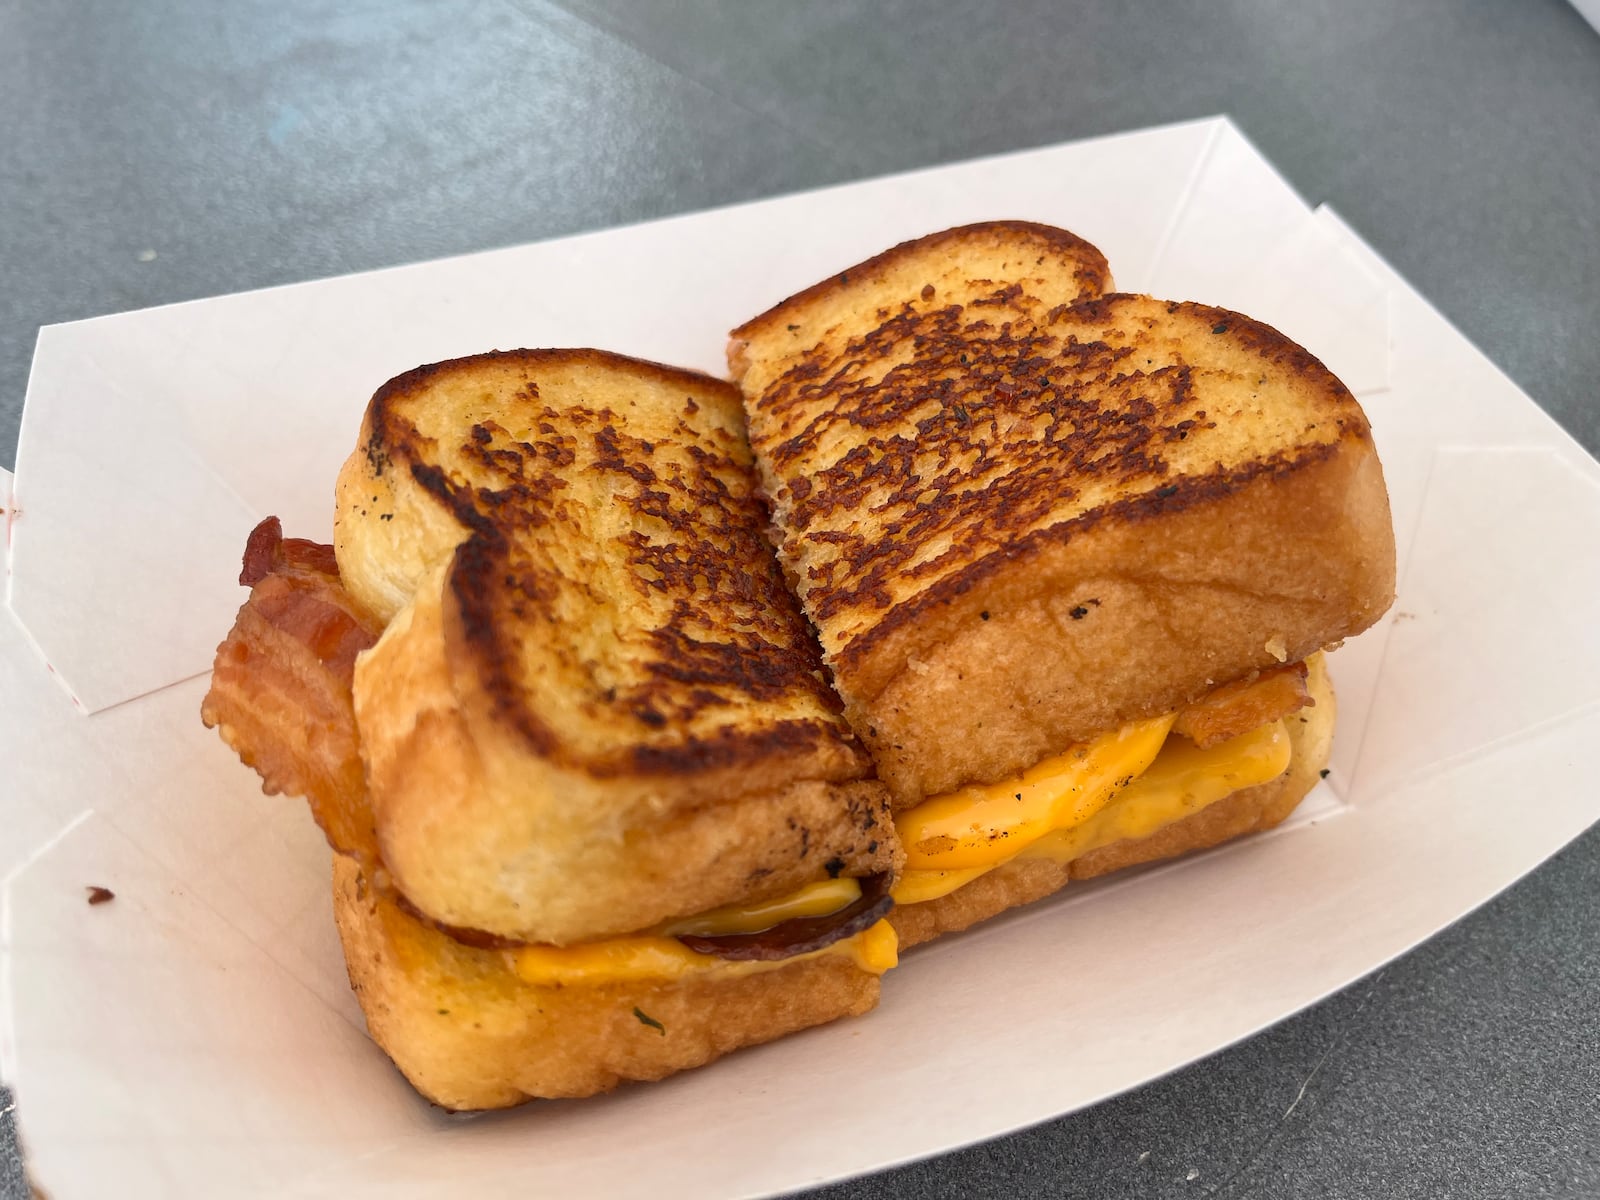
(603, 806)
(600, 768)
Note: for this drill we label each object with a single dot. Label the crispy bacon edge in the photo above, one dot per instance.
(280, 691)
(802, 935)
(1236, 708)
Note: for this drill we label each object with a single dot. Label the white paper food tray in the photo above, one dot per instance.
(197, 1037)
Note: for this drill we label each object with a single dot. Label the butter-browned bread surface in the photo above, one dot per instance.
(594, 706)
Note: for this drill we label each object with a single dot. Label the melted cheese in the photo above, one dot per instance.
(982, 825)
(813, 900)
(1117, 787)
(660, 959)
(1182, 781)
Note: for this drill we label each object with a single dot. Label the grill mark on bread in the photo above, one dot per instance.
(694, 535)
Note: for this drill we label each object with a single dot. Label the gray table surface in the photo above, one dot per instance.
(170, 149)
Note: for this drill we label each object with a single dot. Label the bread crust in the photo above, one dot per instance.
(1017, 520)
(598, 708)
(1249, 810)
(469, 1034)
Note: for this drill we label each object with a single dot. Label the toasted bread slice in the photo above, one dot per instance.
(469, 1033)
(1018, 519)
(594, 706)
(1249, 810)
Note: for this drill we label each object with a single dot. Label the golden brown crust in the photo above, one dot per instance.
(1008, 244)
(1249, 810)
(598, 708)
(469, 1034)
(997, 493)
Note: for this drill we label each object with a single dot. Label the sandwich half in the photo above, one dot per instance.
(599, 815)
(1072, 554)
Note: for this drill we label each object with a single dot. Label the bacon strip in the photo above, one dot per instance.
(281, 684)
(1236, 708)
(803, 934)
